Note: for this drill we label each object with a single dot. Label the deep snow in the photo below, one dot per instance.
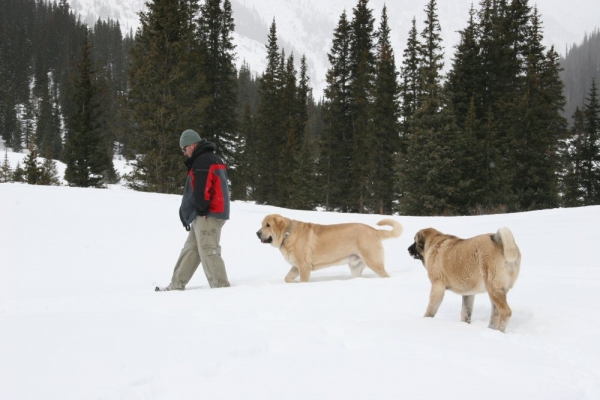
(79, 318)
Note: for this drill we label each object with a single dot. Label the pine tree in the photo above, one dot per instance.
(537, 124)
(87, 155)
(33, 173)
(410, 95)
(464, 79)
(307, 193)
(362, 74)
(431, 55)
(590, 150)
(17, 137)
(215, 30)
(463, 88)
(472, 161)
(287, 163)
(241, 174)
(297, 162)
(166, 93)
(571, 185)
(431, 170)
(28, 123)
(410, 73)
(8, 120)
(386, 117)
(5, 170)
(270, 132)
(49, 171)
(48, 133)
(18, 174)
(336, 143)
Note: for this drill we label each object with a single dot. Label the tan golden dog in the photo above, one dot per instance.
(309, 247)
(488, 262)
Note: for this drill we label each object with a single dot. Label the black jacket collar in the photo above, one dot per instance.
(202, 147)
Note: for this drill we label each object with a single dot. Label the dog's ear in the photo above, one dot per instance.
(280, 223)
(420, 242)
(267, 220)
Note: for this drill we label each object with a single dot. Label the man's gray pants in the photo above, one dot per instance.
(201, 246)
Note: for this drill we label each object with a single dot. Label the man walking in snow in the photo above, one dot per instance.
(203, 212)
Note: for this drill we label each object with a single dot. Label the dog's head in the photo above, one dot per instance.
(417, 249)
(272, 229)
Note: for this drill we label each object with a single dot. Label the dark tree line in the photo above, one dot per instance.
(42, 46)
(489, 136)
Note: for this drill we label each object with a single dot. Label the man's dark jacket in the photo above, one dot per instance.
(206, 191)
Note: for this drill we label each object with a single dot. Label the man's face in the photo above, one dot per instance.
(189, 149)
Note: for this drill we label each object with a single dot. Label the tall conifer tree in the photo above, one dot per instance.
(242, 175)
(269, 126)
(215, 30)
(297, 161)
(590, 150)
(386, 117)
(410, 73)
(167, 93)
(431, 173)
(464, 79)
(5, 170)
(48, 134)
(571, 177)
(336, 143)
(32, 170)
(87, 154)
(362, 74)
(307, 192)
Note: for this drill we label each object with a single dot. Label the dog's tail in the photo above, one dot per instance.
(511, 250)
(396, 229)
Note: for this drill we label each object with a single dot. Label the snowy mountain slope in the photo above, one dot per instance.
(306, 26)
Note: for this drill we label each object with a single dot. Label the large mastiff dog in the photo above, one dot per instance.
(309, 247)
(488, 262)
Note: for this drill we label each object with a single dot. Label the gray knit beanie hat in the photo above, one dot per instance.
(189, 136)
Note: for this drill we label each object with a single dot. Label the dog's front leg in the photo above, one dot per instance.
(435, 298)
(304, 272)
(467, 308)
(292, 275)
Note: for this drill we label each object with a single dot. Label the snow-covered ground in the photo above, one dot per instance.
(79, 318)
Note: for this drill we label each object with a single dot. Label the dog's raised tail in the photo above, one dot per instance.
(511, 250)
(396, 228)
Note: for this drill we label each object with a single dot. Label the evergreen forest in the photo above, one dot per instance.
(509, 126)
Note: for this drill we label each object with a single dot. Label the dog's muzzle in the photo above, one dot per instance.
(267, 240)
(412, 250)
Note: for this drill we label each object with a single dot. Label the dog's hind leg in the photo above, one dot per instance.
(357, 266)
(501, 312)
(374, 259)
(467, 308)
(435, 299)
